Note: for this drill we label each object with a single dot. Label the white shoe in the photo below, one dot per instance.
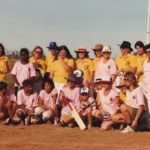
(127, 130)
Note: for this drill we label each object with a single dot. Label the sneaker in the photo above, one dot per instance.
(127, 130)
(7, 121)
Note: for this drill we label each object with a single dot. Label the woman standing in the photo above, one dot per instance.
(36, 58)
(62, 67)
(85, 64)
(4, 65)
(106, 66)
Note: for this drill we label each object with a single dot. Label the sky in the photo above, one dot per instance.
(74, 23)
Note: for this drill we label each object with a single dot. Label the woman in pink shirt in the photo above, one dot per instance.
(8, 104)
(47, 100)
(27, 101)
(106, 103)
(133, 111)
(106, 66)
(69, 93)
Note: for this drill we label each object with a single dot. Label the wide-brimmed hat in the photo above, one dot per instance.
(106, 49)
(72, 78)
(126, 44)
(98, 47)
(53, 45)
(81, 49)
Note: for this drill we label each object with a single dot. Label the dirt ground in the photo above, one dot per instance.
(46, 137)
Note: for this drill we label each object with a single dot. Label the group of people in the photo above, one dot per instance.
(105, 92)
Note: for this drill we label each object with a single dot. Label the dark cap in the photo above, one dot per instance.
(126, 44)
(72, 78)
(24, 51)
(53, 45)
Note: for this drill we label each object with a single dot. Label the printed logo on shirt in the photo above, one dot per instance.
(128, 63)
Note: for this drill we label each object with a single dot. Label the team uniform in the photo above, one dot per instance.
(38, 64)
(49, 60)
(23, 71)
(140, 62)
(60, 74)
(126, 62)
(106, 69)
(73, 95)
(86, 65)
(3, 61)
(48, 101)
(30, 102)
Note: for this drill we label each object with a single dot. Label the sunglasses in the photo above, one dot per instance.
(106, 52)
(38, 52)
(126, 79)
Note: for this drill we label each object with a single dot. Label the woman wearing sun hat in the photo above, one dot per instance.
(85, 64)
(106, 66)
(98, 54)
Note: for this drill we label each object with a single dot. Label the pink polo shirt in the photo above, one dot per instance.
(30, 101)
(6, 98)
(48, 97)
(135, 98)
(23, 71)
(146, 77)
(108, 101)
(106, 69)
(73, 95)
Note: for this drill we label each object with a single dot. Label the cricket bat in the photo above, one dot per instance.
(76, 116)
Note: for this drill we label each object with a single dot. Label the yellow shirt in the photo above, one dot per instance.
(49, 60)
(140, 61)
(3, 69)
(38, 64)
(59, 73)
(126, 62)
(122, 96)
(95, 62)
(86, 65)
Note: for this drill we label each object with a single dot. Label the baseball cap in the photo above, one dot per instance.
(84, 91)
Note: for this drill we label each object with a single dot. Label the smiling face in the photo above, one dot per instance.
(140, 50)
(106, 55)
(81, 55)
(37, 53)
(148, 53)
(63, 54)
(48, 87)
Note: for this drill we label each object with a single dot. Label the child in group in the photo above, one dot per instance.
(38, 80)
(22, 69)
(47, 100)
(87, 104)
(27, 101)
(8, 104)
(133, 111)
(69, 93)
(106, 106)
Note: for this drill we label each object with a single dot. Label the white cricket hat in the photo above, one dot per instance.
(97, 79)
(106, 79)
(84, 90)
(106, 49)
